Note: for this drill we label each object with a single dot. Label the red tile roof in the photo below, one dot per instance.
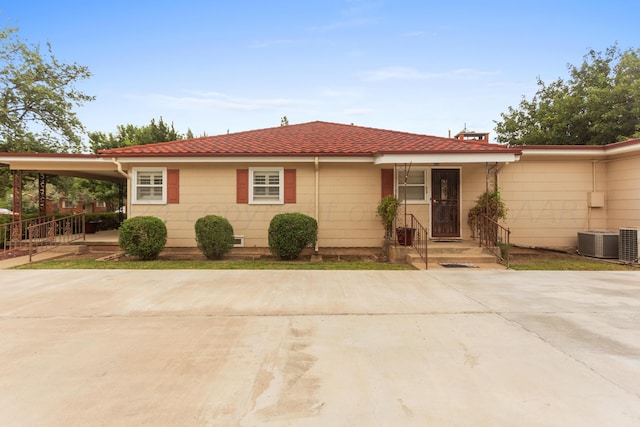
(308, 139)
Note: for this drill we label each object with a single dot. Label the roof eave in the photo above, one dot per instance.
(448, 158)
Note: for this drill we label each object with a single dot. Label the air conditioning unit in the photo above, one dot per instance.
(629, 245)
(598, 244)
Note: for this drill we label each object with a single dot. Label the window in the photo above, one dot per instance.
(415, 189)
(266, 185)
(149, 185)
(100, 204)
(68, 204)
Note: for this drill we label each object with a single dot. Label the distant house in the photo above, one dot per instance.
(66, 206)
(338, 173)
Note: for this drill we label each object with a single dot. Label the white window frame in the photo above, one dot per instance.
(253, 200)
(68, 204)
(101, 204)
(134, 189)
(400, 182)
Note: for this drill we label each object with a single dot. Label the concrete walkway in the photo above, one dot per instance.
(319, 348)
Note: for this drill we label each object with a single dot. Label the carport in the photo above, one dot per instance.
(43, 165)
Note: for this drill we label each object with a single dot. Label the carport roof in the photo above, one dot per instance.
(88, 166)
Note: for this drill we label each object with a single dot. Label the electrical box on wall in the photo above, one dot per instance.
(595, 199)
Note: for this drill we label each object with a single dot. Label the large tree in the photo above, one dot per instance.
(597, 105)
(128, 135)
(37, 97)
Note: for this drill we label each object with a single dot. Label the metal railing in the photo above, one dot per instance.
(50, 234)
(413, 234)
(13, 235)
(494, 237)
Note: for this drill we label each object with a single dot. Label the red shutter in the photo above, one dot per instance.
(387, 182)
(242, 186)
(289, 185)
(173, 186)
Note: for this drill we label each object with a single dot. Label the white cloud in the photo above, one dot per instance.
(220, 101)
(358, 111)
(346, 23)
(261, 44)
(410, 73)
(411, 34)
(396, 73)
(473, 73)
(342, 93)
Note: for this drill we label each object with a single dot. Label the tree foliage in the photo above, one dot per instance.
(598, 104)
(37, 96)
(128, 135)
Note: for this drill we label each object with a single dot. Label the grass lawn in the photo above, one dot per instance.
(92, 264)
(553, 261)
(530, 260)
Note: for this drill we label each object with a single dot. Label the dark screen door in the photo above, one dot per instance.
(445, 203)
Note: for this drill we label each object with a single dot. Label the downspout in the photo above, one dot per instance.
(119, 166)
(593, 189)
(317, 196)
(127, 177)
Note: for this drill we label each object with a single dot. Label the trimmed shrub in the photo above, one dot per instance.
(214, 235)
(143, 236)
(290, 233)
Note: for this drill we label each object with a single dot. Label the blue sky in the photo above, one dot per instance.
(416, 66)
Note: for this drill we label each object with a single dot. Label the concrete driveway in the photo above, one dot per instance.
(316, 348)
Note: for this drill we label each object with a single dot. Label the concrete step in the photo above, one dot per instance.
(466, 256)
(462, 258)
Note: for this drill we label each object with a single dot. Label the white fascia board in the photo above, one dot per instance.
(389, 159)
(18, 162)
(256, 159)
(47, 159)
(614, 151)
(597, 152)
(564, 153)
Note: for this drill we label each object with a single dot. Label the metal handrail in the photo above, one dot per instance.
(14, 234)
(494, 237)
(50, 234)
(418, 236)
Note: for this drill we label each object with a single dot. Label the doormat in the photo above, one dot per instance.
(457, 265)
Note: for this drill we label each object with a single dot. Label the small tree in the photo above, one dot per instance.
(290, 233)
(387, 211)
(143, 236)
(491, 205)
(214, 235)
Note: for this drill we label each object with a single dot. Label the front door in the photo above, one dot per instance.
(445, 203)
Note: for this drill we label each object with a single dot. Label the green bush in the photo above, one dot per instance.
(290, 233)
(105, 220)
(143, 236)
(490, 204)
(214, 235)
